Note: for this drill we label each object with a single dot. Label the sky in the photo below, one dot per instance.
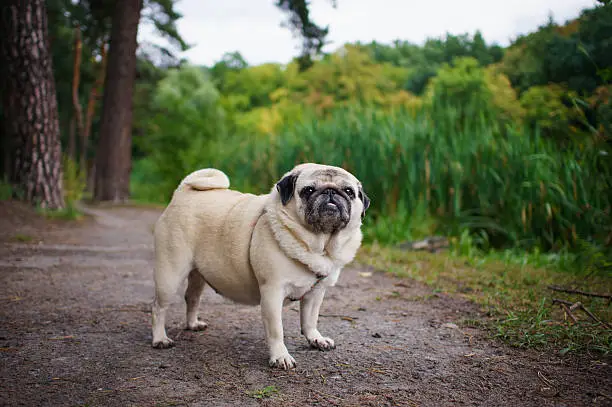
(254, 27)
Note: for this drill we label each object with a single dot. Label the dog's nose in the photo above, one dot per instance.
(330, 191)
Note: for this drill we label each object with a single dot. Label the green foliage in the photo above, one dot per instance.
(145, 180)
(187, 119)
(464, 246)
(525, 329)
(511, 184)
(147, 79)
(466, 85)
(549, 108)
(349, 76)
(75, 182)
(62, 214)
(423, 62)
(469, 158)
(245, 88)
(23, 238)
(264, 98)
(264, 393)
(570, 54)
(6, 190)
(593, 259)
(403, 226)
(93, 18)
(463, 82)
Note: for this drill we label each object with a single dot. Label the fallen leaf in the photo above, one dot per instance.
(59, 338)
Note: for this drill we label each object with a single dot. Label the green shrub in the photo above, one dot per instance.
(187, 120)
(510, 184)
(74, 183)
(6, 190)
(444, 167)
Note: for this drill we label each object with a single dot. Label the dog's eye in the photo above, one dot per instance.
(307, 191)
(349, 192)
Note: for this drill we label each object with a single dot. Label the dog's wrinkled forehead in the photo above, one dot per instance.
(325, 175)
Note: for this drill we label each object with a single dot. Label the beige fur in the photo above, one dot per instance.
(253, 250)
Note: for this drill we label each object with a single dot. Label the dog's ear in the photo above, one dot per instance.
(364, 199)
(286, 187)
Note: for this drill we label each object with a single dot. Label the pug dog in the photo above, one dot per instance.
(288, 245)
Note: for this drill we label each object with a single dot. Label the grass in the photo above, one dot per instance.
(512, 291)
(264, 393)
(23, 238)
(68, 213)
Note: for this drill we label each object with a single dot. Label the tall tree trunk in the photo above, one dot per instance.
(91, 106)
(77, 119)
(114, 153)
(29, 102)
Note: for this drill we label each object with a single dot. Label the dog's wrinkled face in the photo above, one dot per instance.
(327, 199)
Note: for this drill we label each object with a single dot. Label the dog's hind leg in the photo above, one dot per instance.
(195, 286)
(170, 272)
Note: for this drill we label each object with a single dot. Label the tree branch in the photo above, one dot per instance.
(572, 291)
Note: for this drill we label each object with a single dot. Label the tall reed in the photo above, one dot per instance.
(467, 169)
(440, 169)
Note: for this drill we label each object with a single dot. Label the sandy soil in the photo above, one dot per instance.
(75, 330)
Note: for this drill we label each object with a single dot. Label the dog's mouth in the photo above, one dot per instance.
(331, 206)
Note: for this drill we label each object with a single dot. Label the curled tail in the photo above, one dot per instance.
(205, 179)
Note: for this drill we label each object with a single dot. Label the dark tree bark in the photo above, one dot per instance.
(114, 153)
(77, 119)
(29, 103)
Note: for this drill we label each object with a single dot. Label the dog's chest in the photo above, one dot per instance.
(297, 290)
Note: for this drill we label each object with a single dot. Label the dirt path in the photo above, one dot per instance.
(75, 330)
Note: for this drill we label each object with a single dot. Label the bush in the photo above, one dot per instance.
(188, 119)
(75, 182)
(441, 167)
(6, 190)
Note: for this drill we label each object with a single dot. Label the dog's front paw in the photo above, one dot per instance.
(322, 343)
(197, 326)
(285, 361)
(163, 343)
